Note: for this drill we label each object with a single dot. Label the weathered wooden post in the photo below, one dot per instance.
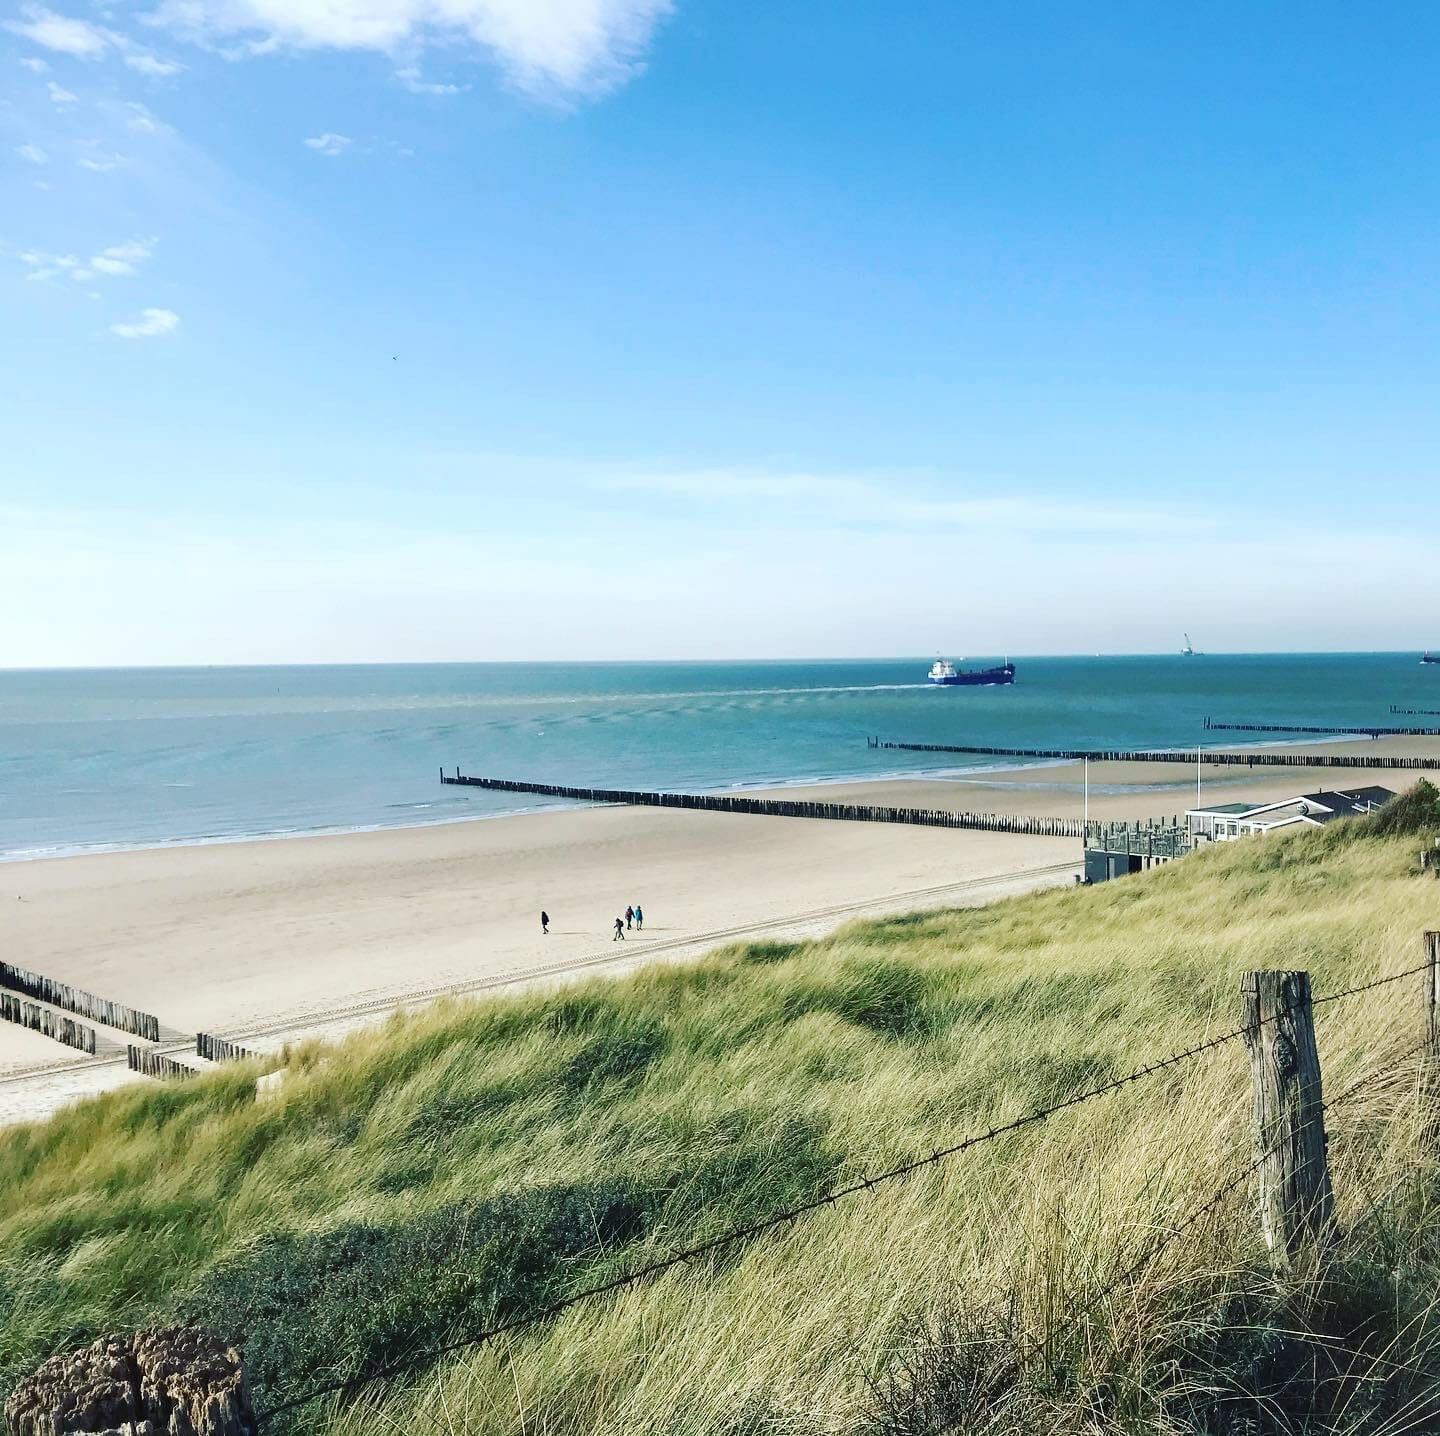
(1431, 973)
(1296, 1201)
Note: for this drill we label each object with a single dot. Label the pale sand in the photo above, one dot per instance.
(265, 940)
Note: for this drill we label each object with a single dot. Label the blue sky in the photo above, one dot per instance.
(444, 329)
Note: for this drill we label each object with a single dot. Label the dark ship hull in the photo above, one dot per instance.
(977, 677)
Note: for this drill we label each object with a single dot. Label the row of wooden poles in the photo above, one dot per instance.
(1154, 755)
(787, 807)
(157, 1064)
(18, 983)
(1212, 726)
(1399, 712)
(47, 1022)
(1295, 1191)
(84, 1004)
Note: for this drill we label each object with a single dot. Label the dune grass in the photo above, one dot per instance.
(465, 1165)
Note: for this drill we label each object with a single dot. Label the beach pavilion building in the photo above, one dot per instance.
(1221, 822)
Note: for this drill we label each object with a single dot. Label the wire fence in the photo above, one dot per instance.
(784, 1217)
(1238, 1179)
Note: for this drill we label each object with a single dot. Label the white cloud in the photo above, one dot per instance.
(417, 84)
(36, 66)
(121, 259)
(328, 144)
(59, 94)
(139, 118)
(904, 501)
(47, 266)
(60, 32)
(546, 47)
(151, 324)
(101, 164)
(152, 66)
(116, 261)
(33, 153)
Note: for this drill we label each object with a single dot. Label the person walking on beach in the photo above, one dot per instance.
(639, 918)
(629, 916)
(545, 924)
(619, 930)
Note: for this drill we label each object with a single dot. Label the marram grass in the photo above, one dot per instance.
(459, 1167)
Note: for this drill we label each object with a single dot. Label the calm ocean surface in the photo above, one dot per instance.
(132, 757)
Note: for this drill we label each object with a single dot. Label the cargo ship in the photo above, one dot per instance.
(946, 675)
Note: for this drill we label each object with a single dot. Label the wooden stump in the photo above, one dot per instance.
(173, 1381)
(1296, 1202)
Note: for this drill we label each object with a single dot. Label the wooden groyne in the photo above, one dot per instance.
(47, 1022)
(1414, 712)
(788, 808)
(1156, 755)
(76, 1000)
(156, 1064)
(218, 1049)
(1369, 732)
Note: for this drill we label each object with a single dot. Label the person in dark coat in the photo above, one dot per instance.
(619, 930)
(545, 924)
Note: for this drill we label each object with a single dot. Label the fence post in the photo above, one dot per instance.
(1296, 1201)
(1432, 995)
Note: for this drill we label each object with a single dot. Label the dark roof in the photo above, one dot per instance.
(1345, 802)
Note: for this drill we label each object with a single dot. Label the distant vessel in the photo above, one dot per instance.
(947, 675)
(1189, 650)
(1428, 657)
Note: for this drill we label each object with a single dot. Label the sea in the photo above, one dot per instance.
(107, 759)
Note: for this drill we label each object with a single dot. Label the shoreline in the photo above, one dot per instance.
(243, 938)
(950, 773)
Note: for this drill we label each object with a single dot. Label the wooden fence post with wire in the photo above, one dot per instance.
(1296, 1201)
(1431, 972)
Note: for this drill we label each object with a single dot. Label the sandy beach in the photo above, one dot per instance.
(263, 941)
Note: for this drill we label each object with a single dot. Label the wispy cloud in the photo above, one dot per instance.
(100, 163)
(33, 153)
(151, 325)
(116, 261)
(59, 94)
(550, 48)
(122, 258)
(35, 65)
(60, 32)
(328, 144)
(411, 78)
(900, 501)
(138, 117)
(151, 66)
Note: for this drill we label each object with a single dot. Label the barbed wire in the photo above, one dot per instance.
(1369, 986)
(790, 1214)
(1364, 1082)
(1211, 1203)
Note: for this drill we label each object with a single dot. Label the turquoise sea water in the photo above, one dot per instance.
(132, 757)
